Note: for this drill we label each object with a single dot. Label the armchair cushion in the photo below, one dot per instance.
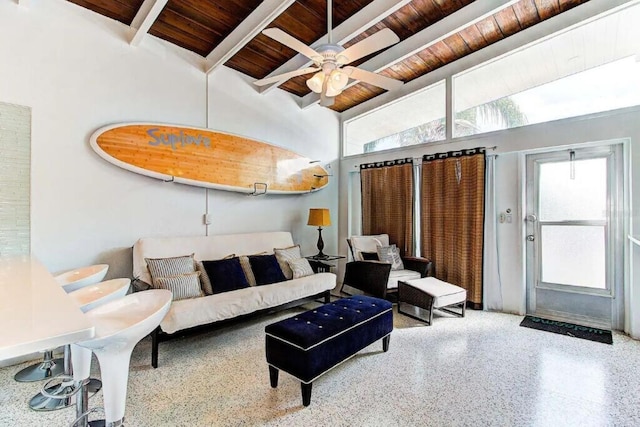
(404, 275)
(360, 244)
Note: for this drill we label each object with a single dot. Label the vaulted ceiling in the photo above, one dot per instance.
(432, 33)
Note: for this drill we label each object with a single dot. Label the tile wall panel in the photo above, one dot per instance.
(15, 182)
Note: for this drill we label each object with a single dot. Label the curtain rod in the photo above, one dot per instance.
(416, 159)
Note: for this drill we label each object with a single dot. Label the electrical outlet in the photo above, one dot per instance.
(502, 217)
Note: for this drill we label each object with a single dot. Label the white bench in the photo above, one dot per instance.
(430, 293)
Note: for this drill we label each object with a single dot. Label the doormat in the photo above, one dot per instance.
(563, 328)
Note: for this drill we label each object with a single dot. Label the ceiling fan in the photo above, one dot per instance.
(331, 76)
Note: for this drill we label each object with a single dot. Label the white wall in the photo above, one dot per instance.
(78, 73)
(510, 147)
(236, 107)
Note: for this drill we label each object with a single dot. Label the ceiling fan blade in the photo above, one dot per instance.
(373, 78)
(280, 36)
(373, 43)
(285, 76)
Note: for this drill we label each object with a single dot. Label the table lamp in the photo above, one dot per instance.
(319, 217)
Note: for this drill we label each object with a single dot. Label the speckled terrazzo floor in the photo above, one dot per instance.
(480, 370)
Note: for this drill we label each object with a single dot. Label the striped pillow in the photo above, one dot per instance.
(300, 268)
(183, 286)
(173, 266)
(284, 255)
(248, 272)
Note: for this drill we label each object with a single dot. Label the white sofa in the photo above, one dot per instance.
(195, 313)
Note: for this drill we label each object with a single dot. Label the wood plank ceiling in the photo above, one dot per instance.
(201, 25)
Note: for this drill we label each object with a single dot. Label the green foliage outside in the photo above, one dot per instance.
(502, 113)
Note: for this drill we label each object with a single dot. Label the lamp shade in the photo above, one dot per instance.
(316, 82)
(319, 217)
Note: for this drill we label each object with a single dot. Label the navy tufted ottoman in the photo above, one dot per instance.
(311, 343)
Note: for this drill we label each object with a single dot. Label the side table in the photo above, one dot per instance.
(324, 265)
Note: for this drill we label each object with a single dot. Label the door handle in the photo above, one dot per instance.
(531, 237)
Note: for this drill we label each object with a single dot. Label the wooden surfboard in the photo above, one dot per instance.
(206, 158)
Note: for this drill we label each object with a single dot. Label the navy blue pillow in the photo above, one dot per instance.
(266, 269)
(370, 256)
(225, 275)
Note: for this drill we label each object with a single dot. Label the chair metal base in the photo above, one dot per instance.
(41, 371)
(42, 403)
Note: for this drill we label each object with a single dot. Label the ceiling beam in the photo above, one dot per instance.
(144, 19)
(252, 25)
(578, 15)
(468, 15)
(361, 21)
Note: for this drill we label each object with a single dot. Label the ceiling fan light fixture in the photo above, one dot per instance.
(315, 83)
(332, 91)
(338, 80)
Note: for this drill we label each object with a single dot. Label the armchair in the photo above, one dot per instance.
(376, 278)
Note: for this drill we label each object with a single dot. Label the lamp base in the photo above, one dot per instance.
(320, 256)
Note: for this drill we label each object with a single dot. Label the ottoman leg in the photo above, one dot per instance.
(385, 343)
(306, 393)
(273, 376)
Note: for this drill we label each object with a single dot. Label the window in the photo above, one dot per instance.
(587, 69)
(415, 119)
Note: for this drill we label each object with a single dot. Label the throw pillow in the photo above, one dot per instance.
(266, 269)
(284, 255)
(390, 254)
(171, 266)
(246, 267)
(225, 275)
(369, 256)
(300, 268)
(183, 286)
(205, 283)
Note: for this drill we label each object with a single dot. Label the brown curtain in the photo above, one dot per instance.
(387, 201)
(452, 218)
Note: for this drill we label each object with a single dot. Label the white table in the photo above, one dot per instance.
(36, 314)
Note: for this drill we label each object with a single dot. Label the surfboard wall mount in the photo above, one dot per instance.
(256, 190)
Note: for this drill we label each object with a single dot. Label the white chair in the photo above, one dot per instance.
(59, 396)
(70, 281)
(119, 326)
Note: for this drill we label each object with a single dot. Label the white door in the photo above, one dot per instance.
(574, 243)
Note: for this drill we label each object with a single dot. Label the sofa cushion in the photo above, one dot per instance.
(284, 255)
(171, 266)
(212, 308)
(266, 269)
(225, 275)
(390, 255)
(300, 268)
(183, 286)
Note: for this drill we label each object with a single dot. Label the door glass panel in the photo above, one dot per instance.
(573, 255)
(581, 195)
